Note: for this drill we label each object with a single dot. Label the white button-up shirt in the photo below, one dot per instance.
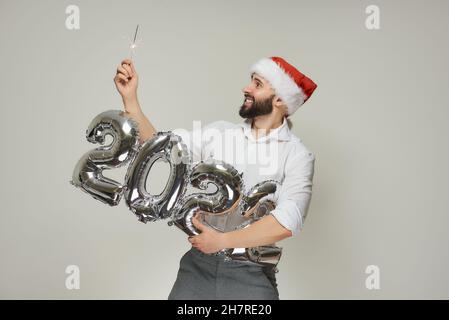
(278, 155)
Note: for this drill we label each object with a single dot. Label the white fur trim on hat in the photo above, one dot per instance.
(284, 86)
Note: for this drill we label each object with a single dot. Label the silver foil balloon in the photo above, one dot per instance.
(227, 209)
(87, 174)
(226, 198)
(256, 194)
(267, 255)
(167, 147)
(247, 211)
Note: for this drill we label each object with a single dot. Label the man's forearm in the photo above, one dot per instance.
(263, 232)
(146, 129)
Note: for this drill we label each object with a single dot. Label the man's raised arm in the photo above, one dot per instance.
(126, 81)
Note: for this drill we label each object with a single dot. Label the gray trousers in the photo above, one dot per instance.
(209, 277)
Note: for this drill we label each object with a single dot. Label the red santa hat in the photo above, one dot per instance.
(293, 87)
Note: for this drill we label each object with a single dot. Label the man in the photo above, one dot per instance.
(275, 92)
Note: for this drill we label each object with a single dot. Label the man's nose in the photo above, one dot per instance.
(246, 89)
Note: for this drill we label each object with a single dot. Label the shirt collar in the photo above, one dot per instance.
(281, 133)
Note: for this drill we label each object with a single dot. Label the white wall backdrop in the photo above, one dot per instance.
(377, 124)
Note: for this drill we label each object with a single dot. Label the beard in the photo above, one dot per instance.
(258, 108)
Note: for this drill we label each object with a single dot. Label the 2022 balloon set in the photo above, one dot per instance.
(226, 209)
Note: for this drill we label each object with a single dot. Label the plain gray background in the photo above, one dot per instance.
(377, 125)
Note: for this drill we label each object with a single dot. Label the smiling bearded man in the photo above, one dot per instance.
(275, 92)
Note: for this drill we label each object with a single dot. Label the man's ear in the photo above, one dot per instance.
(278, 103)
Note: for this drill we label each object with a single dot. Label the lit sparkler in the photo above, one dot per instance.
(133, 45)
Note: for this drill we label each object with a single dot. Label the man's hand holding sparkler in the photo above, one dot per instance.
(126, 80)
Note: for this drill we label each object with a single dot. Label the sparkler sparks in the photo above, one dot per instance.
(134, 44)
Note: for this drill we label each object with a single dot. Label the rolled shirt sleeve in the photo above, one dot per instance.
(295, 193)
